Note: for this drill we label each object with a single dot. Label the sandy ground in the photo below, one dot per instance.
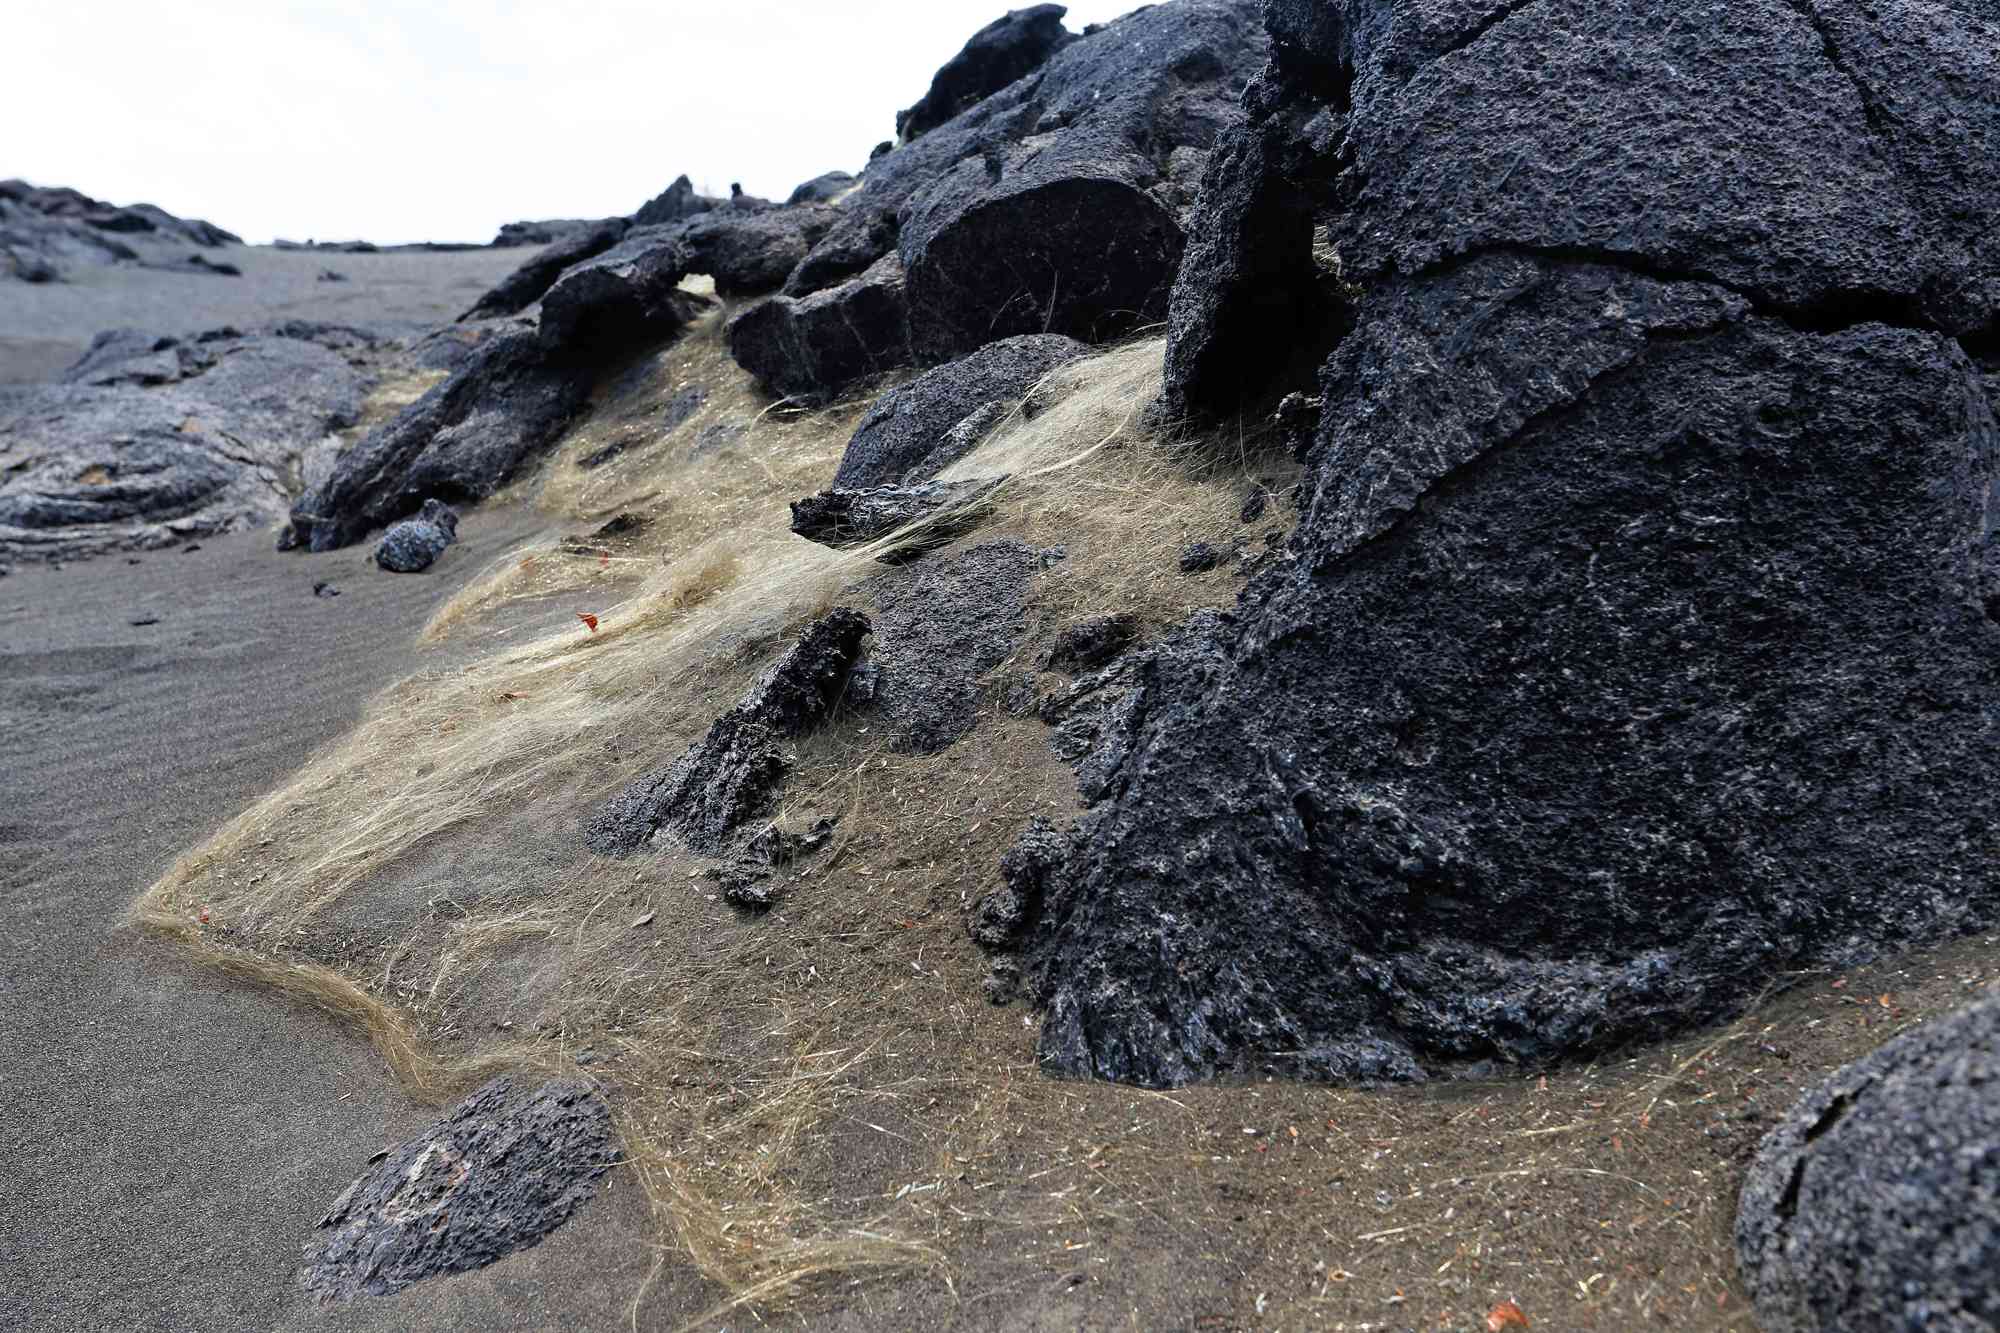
(45, 327)
(170, 1139)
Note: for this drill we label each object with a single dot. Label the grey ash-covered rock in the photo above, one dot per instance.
(941, 625)
(1875, 1204)
(907, 435)
(508, 1166)
(525, 285)
(732, 774)
(462, 440)
(1087, 644)
(1637, 645)
(413, 545)
(846, 518)
(1009, 48)
(150, 441)
(47, 233)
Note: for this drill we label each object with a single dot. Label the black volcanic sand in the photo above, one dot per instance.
(45, 327)
(170, 1139)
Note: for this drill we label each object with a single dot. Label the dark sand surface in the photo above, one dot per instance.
(45, 327)
(170, 1138)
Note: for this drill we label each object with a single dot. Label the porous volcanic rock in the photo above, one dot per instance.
(156, 440)
(810, 348)
(508, 1166)
(1637, 643)
(413, 545)
(541, 231)
(942, 625)
(1875, 1204)
(732, 774)
(525, 285)
(902, 436)
(628, 294)
(1010, 47)
(749, 252)
(461, 441)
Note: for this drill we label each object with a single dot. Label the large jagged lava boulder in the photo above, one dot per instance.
(628, 294)
(151, 440)
(809, 349)
(1637, 646)
(677, 203)
(1052, 205)
(1875, 1204)
(1010, 47)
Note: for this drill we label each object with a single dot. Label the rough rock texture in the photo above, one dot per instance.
(525, 285)
(413, 545)
(47, 232)
(1637, 644)
(1876, 1203)
(504, 1169)
(899, 440)
(628, 294)
(461, 441)
(676, 203)
(844, 518)
(823, 189)
(1006, 49)
(1044, 220)
(1085, 645)
(156, 440)
(943, 624)
(732, 774)
(811, 348)
(749, 252)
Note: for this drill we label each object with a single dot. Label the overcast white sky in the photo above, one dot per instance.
(405, 120)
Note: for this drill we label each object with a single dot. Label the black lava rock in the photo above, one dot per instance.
(413, 545)
(1634, 648)
(461, 441)
(1875, 1204)
(1200, 557)
(509, 1165)
(1085, 645)
(846, 518)
(732, 774)
(907, 434)
(810, 348)
(628, 294)
(1010, 47)
(525, 285)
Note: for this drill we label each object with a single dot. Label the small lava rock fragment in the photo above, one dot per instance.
(141, 621)
(504, 1169)
(1255, 503)
(324, 589)
(413, 545)
(1085, 645)
(1202, 557)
